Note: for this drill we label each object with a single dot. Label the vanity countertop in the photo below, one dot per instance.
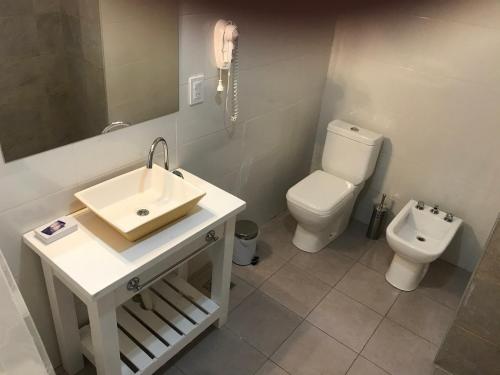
(95, 259)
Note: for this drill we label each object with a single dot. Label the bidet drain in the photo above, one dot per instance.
(421, 239)
(142, 212)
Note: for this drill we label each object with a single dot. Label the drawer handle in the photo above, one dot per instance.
(211, 236)
(134, 284)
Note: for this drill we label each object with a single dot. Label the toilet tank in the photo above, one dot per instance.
(350, 151)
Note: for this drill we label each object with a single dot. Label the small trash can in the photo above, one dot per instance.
(245, 242)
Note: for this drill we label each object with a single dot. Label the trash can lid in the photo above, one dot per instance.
(246, 229)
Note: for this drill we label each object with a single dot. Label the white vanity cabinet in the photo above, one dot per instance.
(105, 271)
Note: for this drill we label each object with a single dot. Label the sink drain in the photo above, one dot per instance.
(142, 212)
(421, 239)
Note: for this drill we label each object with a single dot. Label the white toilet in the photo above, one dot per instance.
(322, 202)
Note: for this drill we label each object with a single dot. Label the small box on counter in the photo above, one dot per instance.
(57, 229)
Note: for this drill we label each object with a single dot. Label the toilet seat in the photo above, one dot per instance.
(320, 193)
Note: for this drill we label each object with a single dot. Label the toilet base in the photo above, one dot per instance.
(404, 274)
(311, 242)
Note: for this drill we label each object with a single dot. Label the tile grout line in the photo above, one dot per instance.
(302, 319)
(454, 309)
(333, 287)
(364, 305)
(345, 295)
(243, 300)
(384, 316)
(422, 291)
(267, 357)
(276, 218)
(182, 372)
(374, 331)
(413, 332)
(319, 302)
(429, 296)
(277, 365)
(373, 334)
(244, 339)
(274, 363)
(258, 288)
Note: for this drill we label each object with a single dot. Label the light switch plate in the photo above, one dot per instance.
(196, 89)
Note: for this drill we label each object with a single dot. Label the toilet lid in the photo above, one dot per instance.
(320, 192)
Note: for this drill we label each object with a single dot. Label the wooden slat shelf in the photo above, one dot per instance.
(148, 339)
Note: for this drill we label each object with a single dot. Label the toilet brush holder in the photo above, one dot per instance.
(377, 221)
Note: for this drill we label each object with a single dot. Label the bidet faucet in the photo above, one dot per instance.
(420, 205)
(435, 209)
(149, 163)
(448, 217)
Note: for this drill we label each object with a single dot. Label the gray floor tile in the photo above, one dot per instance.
(327, 265)
(368, 287)
(239, 292)
(168, 370)
(220, 352)
(465, 353)
(480, 312)
(263, 322)
(362, 366)
(378, 257)
(269, 263)
(309, 351)
(439, 371)
(295, 289)
(346, 320)
(422, 316)
(240, 289)
(88, 369)
(278, 234)
(270, 368)
(353, 242)
(399, 351)
(445, 283)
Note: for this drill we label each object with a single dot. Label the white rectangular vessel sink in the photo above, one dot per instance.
(141, 201)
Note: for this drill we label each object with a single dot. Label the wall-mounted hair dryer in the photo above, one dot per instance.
(226, 58)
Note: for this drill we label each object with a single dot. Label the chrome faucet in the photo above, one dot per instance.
(158, 140)
(435, 209)
(448, 217)
(420, 205)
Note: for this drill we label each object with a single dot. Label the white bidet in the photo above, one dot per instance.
(419, 234)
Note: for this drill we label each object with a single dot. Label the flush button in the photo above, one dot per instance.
(354, 129)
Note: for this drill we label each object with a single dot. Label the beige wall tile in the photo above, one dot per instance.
(429, 84)
(270, 82)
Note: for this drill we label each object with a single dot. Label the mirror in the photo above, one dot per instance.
(70, 68)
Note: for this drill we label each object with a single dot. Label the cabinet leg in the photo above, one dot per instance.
(104, 331)
(221, 271)
(62, 305)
